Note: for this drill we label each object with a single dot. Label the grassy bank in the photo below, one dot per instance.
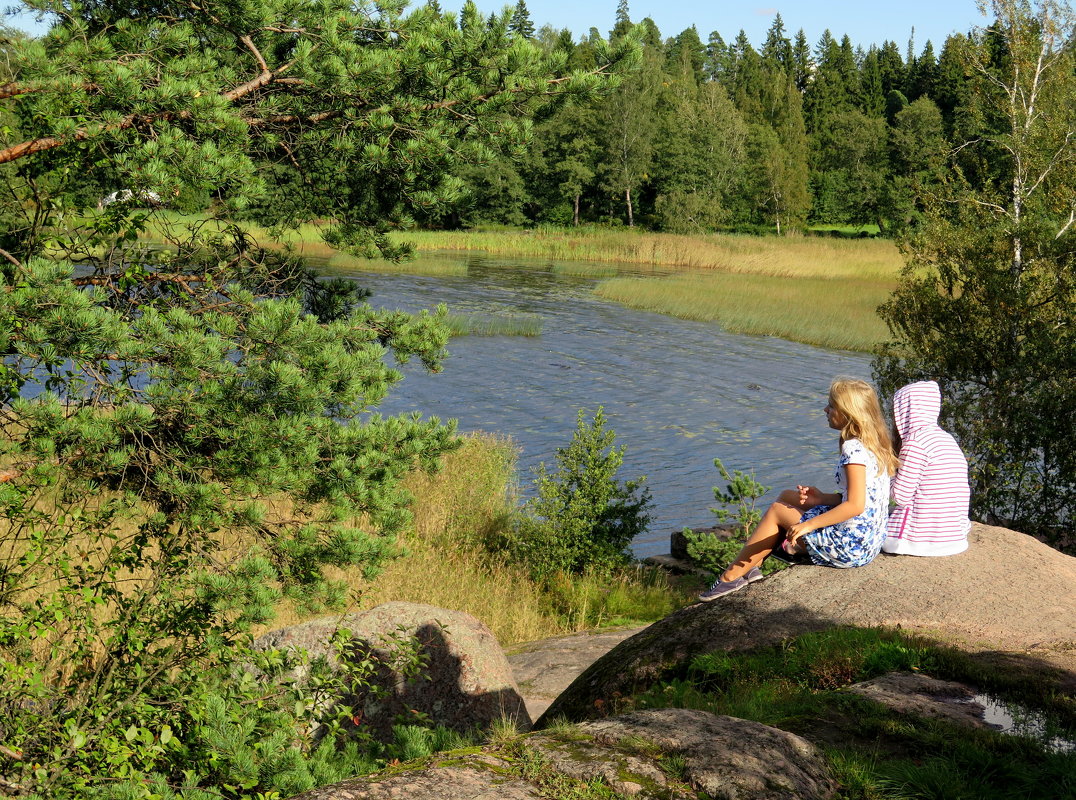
(445, 564)
(820, 291)
(839, 314)
(876, 753)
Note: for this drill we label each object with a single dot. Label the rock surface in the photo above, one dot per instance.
(468, 681)
(726, 757)
(722, 757)
(925, 697)
(545, 668)
(970, 599)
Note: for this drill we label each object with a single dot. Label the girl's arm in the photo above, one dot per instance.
(913, 461)
(855, 476)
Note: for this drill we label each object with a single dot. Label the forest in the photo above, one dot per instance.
(721, 134)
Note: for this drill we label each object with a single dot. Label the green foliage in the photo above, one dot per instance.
(582, 518)
(737, 502)
(195, 423)
(629, 596)
(737, 499)
(986, 303)
(874, 752)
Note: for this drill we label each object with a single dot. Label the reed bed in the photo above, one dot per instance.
(494, 324)
(838, 314)
(789, 256)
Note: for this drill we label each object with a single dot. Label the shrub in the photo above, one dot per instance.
(736, 502)
(582, 518)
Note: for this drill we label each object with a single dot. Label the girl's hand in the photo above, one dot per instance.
(810, 496)
(799, 529)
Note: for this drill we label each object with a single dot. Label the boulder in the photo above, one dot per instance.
(972, 600)
(467, 682)
(725, 757)
(430, 783)
(716, 757)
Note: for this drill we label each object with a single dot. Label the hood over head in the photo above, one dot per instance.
(915, 406)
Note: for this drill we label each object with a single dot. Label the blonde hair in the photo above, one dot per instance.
(862, 419)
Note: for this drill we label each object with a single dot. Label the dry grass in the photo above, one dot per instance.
(444, 566)
(789, 256)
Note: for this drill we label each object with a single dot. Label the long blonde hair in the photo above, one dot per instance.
(858, 405)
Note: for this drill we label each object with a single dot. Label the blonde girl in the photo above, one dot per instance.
(842, 529)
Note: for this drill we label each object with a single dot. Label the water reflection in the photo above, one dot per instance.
(678, 393)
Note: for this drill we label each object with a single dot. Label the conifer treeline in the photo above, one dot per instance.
(720, 135)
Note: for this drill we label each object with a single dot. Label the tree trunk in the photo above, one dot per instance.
(575, 211)
(631, 216)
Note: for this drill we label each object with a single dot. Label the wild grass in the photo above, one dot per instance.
(457, 511)
(789, 256)
(823, 291)
(875, 753)
(836, 313)
(494, 324)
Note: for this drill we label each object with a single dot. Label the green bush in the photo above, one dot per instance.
(582, 519)
(737, 503)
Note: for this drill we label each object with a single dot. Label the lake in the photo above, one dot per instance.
(678, 393)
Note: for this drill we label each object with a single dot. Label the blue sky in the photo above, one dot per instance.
(866, 23)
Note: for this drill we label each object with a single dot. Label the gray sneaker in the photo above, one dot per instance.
(754, 574)
(722, 588)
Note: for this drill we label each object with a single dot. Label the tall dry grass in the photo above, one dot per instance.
(444, 564)
(789, 256)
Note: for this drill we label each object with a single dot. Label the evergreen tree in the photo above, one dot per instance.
(777, 49)
(952, 82)
(871, 98)
(622, 23)
(892, 69)
(717, 57)
(195, 424)
(802, 63)
(923, 77)
(521, 24)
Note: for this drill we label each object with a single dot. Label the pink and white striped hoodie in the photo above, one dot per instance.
(931, 487)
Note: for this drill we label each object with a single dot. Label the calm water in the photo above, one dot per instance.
(677, 393)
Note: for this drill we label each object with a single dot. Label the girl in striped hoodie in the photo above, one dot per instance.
(931, 486)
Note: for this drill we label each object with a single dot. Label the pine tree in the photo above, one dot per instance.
(195, 422)
(717, 57)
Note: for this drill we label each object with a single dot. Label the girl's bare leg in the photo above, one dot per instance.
(780, 516)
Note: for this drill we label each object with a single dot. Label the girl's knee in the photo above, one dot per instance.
(789, 497)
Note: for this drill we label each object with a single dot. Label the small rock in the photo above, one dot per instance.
(924, 696)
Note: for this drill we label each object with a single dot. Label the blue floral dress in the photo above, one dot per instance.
(854, 542)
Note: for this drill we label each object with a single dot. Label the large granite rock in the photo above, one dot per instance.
(468, 682)
(1007, 594)
(721, 758)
